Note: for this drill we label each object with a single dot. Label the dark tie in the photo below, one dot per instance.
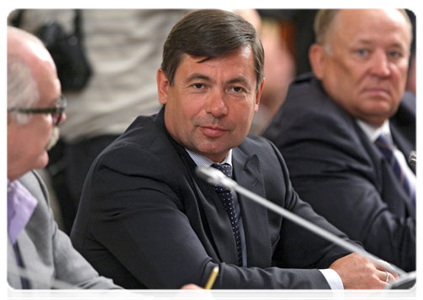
(225, 196)
(387, 148)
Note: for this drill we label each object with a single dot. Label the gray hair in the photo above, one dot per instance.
(22, 89)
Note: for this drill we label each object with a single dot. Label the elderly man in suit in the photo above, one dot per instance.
(147, 221)
(39, 255)
(347, 130)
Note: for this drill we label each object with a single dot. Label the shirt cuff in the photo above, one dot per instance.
(335, 282)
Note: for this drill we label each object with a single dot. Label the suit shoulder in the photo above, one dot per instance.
(145, 149)
(33, 182)
(253, 141)
(142, 135)
(409, 99)
(257, 145)
(406, 113)
(307, 108)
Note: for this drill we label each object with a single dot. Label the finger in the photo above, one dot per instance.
(380, 268)
(385, 276)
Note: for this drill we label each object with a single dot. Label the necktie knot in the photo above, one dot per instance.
(224, 168)
(383, 141)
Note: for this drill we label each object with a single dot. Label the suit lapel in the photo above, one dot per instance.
(406, 148)
(34, 262)
(385, 180)
(13, 282)
(403, 145)
(248, 174)
(215, 230)
(218, 223)
(35, 248)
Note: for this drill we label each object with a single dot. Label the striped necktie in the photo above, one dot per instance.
(226, 197)
(388, 150)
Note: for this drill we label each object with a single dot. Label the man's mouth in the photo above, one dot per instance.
(213, 131)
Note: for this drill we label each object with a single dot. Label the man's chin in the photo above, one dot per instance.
(53, 139)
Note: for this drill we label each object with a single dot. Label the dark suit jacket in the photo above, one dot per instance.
(146, 220)
(342, 174)
(46, 252)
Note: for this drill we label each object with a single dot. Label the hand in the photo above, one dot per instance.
(358, 272)
(192, 292)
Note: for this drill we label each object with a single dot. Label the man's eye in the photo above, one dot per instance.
(362, 52)
(198, 85)
(238, 89)
(395, 54)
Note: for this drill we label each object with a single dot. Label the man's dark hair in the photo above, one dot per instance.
(210, 34)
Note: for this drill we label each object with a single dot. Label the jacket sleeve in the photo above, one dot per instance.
(355, 205)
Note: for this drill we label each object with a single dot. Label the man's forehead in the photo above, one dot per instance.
(240, 72)
(366, 25)
(364, 19)
(244, 51)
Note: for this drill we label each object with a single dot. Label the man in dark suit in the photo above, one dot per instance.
(328, 130)
(41, 263)
(148, 221)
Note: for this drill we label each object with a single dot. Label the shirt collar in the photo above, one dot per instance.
(373, 132)
(20, 207)
(201, 160)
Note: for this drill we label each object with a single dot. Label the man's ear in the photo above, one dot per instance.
(162, 86)
(317, 56)
(258, 95)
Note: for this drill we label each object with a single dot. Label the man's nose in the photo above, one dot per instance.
(63, 118)
(380, 64)
(216, 104)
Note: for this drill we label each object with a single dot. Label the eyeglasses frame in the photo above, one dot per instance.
(59, 108)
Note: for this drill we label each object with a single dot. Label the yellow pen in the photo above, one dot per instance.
(212, 278)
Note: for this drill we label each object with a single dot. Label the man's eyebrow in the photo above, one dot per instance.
(197, 76)
(240, 80)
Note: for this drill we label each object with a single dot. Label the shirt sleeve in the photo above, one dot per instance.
(333, 279)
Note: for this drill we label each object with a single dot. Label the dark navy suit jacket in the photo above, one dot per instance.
(341, 173)
(147, 221)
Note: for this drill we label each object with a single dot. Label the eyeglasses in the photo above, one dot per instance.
(56, 111)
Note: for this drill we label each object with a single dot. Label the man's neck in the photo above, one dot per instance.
(372, 131)
(12, 175)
